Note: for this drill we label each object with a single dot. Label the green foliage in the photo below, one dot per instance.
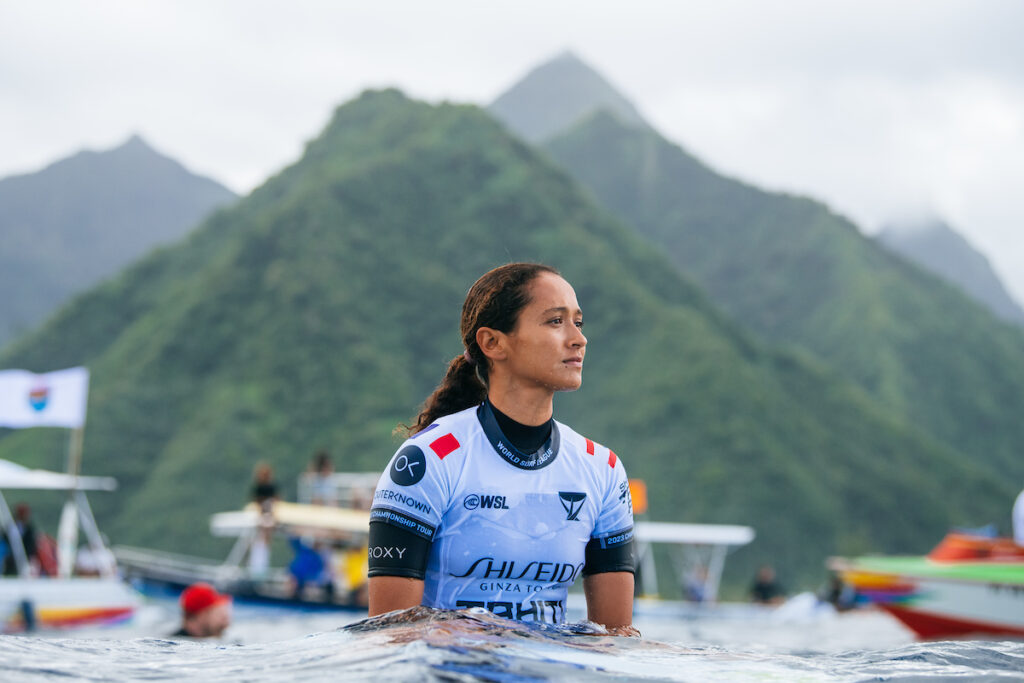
(321, 310)
(798, 274)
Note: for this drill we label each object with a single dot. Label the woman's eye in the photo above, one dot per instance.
(579, 324)
(556, 321)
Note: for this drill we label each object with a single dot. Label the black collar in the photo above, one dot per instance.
(542, 457)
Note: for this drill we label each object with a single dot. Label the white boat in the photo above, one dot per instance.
(339, 532)
(29, 601)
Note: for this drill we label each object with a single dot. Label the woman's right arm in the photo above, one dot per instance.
(388, 593)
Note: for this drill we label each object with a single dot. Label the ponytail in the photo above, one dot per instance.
(461, 388)
(494, 301)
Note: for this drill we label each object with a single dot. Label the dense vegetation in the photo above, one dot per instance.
(320, 311)
(84, 218)
(796, 273)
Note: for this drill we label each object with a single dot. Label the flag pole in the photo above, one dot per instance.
(67, 530)
(75, 451)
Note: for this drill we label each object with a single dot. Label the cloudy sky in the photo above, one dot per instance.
(884, 109)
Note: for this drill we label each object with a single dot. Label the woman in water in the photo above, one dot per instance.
(492, 503)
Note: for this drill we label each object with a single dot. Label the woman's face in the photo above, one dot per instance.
(547, 345)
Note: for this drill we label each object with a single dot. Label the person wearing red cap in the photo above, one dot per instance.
(205, 612)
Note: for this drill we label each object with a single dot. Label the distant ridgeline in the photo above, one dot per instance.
(324, 307)
(936, 247)
(84, 218)
(796, 273)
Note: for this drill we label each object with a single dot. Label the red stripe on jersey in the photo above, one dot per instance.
(590, 446)
(611, 458)
(445, 445)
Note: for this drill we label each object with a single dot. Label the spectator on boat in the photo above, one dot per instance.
(766, 589)
(321, 484)
(695, 584)
(841, 595)
(264, 493)
(264, 488)
(490, 502)
(311, 565)
(27, 530)
(205, 613)
(1018, 520)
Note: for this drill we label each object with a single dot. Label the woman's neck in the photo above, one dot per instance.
(529, 408)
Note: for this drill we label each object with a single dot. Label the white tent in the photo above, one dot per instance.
(15, 476)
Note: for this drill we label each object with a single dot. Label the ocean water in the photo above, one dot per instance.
(428, 645)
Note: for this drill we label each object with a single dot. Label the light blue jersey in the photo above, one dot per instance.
(508, 531)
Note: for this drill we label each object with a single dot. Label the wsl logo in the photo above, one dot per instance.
(473, 501)
(39, 397)
(572, 502)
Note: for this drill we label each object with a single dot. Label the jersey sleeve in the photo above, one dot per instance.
(412, 495)
(611, 544)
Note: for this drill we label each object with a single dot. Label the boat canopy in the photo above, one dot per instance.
(15, 476)
(293, 518)
(697, 551)
(693, 534)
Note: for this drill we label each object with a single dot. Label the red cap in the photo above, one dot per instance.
(200, 596)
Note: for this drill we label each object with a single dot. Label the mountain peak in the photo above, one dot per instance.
(134, 142)
(557, 94)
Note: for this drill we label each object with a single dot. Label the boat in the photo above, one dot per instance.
(968, 586)
(31, 600)
(56, 594)
(335, 536)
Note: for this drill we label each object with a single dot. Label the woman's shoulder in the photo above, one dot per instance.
(587, 449)
(445, 434)
(460, 421)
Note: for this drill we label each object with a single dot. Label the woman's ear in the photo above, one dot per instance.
(492, 342)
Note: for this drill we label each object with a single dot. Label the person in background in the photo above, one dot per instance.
(766, 589)
(322, 490)
(1018, 520)
(23, 521)
(309, 566)
(264, 493)
(205, 613)
(264, 488)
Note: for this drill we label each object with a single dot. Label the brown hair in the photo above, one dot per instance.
(494, 301)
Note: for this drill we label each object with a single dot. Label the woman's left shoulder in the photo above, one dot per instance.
(587, 449)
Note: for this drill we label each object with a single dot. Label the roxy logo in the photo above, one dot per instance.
(473, 501)
(377, 552)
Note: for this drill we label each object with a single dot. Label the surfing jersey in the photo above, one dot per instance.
(485, 525)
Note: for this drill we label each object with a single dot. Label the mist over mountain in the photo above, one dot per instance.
(322, 309)
(83, 218)
(936, 247)
(796, 273)
(557, 94)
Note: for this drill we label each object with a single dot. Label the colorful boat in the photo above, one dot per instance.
(64, 599)
(967, 587)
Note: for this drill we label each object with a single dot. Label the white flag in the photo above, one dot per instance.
(53, 399)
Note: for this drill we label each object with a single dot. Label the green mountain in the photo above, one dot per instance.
(86, 217)
(558, 94)
(939, 249)
(322, 309)
(796, 273)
